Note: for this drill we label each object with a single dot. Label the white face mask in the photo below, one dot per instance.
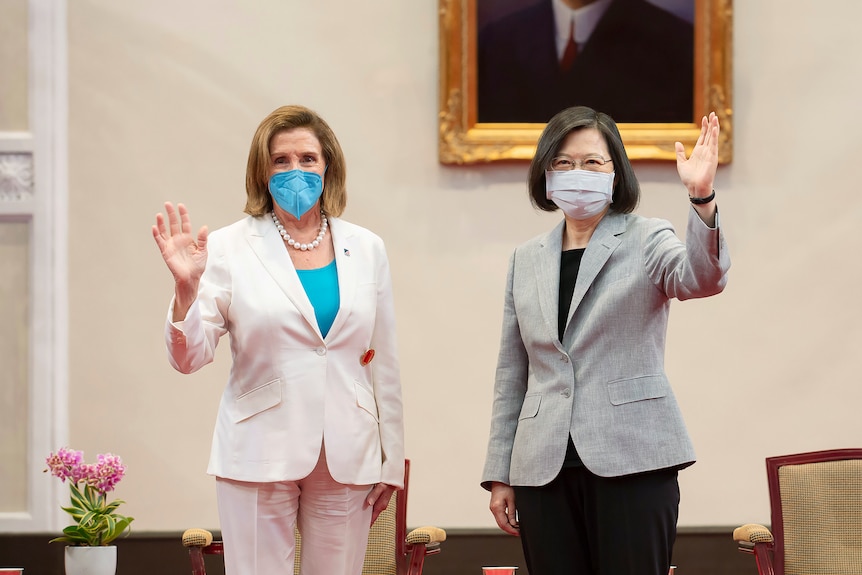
(581, 194)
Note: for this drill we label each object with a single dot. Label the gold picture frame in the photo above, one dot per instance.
(464, 141)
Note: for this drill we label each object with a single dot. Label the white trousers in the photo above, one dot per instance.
(257, 522)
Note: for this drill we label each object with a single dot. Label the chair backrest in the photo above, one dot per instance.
(387, 541)
(816, 505)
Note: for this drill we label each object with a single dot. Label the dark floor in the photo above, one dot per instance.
(697, 552)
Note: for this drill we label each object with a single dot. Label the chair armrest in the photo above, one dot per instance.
(757, 540)
(426, 535)
(752, 533)
(197, 538)
(198, 542)
(422, 541)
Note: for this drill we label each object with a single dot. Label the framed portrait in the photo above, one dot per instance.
(655, 66)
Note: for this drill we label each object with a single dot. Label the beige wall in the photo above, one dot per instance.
(14, 257)
(165, 96)
(13, 65)
(14, 350)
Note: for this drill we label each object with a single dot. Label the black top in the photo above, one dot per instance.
(570, 263)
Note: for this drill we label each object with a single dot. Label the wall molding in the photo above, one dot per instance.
(16, 177)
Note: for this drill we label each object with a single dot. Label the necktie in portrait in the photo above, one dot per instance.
(571, 50)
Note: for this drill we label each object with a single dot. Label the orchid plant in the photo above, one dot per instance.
(96, 520)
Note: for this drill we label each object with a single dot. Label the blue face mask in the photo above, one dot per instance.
(296, 191)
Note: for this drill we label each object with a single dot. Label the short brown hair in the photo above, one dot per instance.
(259, 201)
(626, 188)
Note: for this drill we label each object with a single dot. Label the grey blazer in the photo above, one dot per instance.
(605, 383)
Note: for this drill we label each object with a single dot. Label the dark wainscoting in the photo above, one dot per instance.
(698, 551)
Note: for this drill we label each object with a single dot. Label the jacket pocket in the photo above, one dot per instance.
(256, 400)
(365, 400)
(637, 389)
(530, 407)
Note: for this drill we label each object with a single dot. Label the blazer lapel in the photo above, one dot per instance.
(547, 264)
(600, 247)
(269, 247)
(347, 256)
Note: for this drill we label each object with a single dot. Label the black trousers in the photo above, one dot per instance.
(583, 524)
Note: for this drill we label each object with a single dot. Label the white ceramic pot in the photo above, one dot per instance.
(91, 560)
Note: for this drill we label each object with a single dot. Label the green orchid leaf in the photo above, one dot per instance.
(70, 540)
(78, 498)
(75, 535)
(93, 498)
(121, 525)
(89, 519)
(110, 525)
(75, 512)
(96, 526)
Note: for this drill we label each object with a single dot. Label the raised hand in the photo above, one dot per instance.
(184, 253)
(698, 171)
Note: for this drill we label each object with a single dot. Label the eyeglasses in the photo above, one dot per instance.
(591, 163)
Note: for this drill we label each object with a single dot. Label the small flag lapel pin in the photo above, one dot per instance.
(366, 357)
(346, 252)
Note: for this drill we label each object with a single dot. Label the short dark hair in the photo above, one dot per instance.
(626, 188)
(259, 201)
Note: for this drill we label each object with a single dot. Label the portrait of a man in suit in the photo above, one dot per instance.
(631, 59)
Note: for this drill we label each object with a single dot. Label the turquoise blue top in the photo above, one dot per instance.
(321, 286)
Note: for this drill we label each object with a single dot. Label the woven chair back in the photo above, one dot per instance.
(821, 508)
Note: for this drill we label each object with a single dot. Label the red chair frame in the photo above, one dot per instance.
(770, 556)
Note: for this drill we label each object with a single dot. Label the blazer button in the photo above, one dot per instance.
(566, 393)
(564, 358)
(320, 350)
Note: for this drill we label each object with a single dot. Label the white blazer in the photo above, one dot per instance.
(290, 389)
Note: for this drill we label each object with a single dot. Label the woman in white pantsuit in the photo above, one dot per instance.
(309, 430)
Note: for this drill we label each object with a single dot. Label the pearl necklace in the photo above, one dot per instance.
(292, 242)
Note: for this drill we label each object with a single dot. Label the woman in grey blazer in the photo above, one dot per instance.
(586, 435)
(309, 430)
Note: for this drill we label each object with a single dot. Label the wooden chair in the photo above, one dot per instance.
(816, 507)
(391, 550)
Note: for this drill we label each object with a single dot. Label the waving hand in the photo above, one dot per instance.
(698, 171)
(184, 254)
